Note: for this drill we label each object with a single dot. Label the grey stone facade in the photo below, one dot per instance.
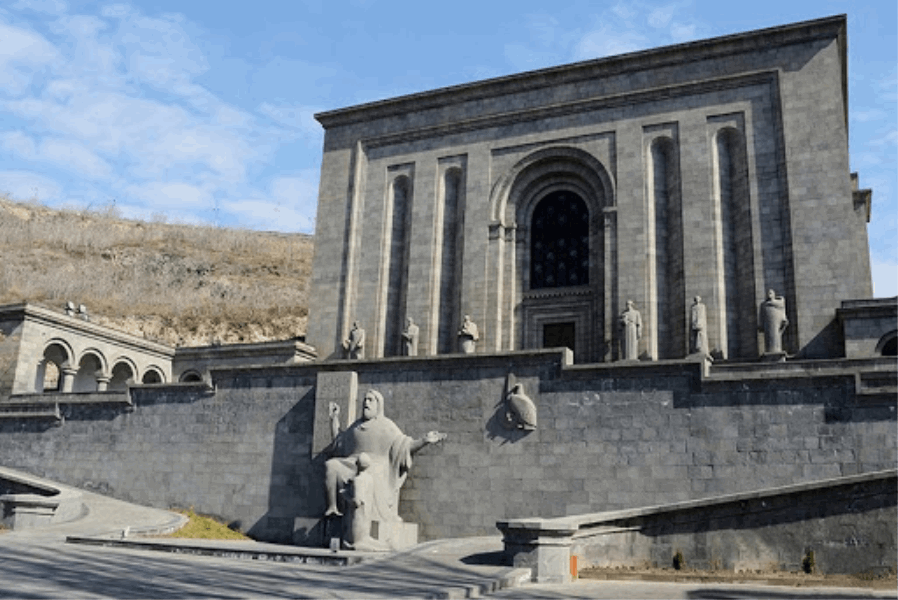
(609, 437)
(717, 168)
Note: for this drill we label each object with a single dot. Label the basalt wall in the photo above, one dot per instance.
(607, 438)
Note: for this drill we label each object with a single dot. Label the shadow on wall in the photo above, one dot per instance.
(296, 492)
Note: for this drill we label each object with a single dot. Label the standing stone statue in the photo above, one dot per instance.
(631, 326)
(468, 335)
(354, 345)
(773, 322)
(698, 320)
(389, 452)
(410, 338)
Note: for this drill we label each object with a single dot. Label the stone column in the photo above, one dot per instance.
(102, 384)
(68, 379)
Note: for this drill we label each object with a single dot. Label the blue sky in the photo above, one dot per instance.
(202, 110)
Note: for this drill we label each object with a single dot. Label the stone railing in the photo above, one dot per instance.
(27, 501)
(848, 522)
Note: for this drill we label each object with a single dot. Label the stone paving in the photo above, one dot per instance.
(38, 563)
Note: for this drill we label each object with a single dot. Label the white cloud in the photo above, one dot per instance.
(53, 7)
(289, 205)
(24, 185)
(296, 116)
(680, 32)
(18, 143)
(885, 278)
(75, 156)
(22, 53)
(159, 195)
(269, 216)
(661, 16)
(865, 115)
(608, 41)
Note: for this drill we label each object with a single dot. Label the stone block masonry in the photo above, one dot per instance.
(608, 438)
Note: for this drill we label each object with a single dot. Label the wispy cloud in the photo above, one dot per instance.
(112, 102)
(618, 29)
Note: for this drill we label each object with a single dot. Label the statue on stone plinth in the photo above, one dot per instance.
(631, 326)
(389, 453)
(773, 322)
(698, 319)
(410, 338)
(468, 335)
(354, 345)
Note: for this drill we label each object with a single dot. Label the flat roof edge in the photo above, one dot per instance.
(832, 26)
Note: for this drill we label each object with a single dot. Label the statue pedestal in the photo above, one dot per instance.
(467, 344)
(398, 535)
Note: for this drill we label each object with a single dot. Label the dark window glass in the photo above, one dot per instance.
(558, 335)
(559, 243)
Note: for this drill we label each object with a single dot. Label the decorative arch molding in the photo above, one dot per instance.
(558, 162)
(190, 376)
(65, 345)
(152, 374)
(119, 377)
(99, 355)
(61, 354)
(886, 344)
(88, 378)
(516, 317)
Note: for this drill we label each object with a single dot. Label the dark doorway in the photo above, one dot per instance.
(557, 335)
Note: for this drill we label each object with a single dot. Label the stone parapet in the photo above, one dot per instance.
(849, 523)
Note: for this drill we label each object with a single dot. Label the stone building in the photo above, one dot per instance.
(540, 203)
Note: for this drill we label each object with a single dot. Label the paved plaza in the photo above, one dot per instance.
(38, 563)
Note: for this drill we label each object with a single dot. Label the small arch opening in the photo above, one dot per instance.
(151, 376)
(888, 344)
(122, 376)
(190, 377)
(49, 370)
(90, 368)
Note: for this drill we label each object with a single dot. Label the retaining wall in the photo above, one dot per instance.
(608, 437)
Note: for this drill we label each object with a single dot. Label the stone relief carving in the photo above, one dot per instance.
(410, 338)
(773, 322)
(520, 411)
(468, 336)
(698, 319)
(631, 329)
(374, 448)
(354, 345)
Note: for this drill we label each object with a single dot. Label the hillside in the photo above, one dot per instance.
(179, 284)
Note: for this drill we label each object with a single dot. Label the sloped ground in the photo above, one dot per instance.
(179, 284)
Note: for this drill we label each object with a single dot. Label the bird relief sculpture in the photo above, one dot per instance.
(519, 409)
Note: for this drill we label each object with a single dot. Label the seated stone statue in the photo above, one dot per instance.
(387, 450)
(359, 496)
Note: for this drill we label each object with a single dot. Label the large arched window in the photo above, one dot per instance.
(559, 241)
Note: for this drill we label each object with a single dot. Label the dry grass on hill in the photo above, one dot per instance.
(178, 284)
